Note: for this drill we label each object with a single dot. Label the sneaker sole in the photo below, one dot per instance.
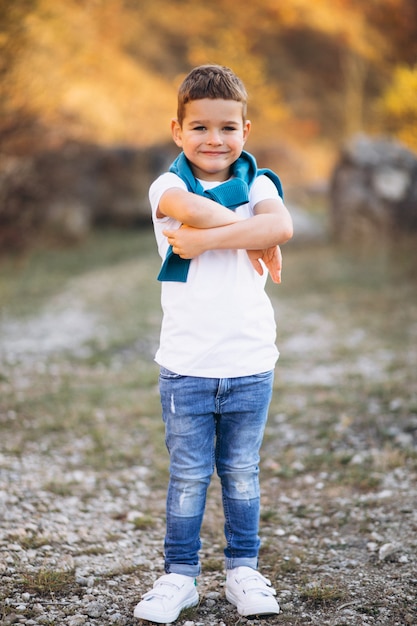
(159, 618)
(254, 609)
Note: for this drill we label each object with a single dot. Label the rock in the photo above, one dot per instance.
(76, 620)
(12, 618)
(213, 595)
(373, 191)
(117, 618)
(94, 609)
(387, 550)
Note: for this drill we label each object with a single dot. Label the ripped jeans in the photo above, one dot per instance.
(212, 422)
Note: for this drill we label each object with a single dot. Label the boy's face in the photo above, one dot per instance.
(212, 136)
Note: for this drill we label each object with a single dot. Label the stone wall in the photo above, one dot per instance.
(64, 193)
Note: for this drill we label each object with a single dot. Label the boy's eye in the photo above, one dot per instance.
(229, 128)
(199, 128)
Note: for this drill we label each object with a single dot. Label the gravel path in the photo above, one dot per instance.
(339, 507)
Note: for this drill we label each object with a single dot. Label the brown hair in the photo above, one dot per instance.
(210, 81)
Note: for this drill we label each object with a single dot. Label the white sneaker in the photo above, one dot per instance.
(170, 594)
(250, 592)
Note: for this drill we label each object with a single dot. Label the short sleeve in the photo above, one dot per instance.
(263, 189)
(166, 181)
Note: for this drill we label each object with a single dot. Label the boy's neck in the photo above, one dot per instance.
(210, 178)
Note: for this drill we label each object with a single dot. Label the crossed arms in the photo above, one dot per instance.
(207, 225)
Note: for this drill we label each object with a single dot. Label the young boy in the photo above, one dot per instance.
(218, 223)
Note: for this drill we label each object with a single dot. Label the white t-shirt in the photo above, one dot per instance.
(220, 323)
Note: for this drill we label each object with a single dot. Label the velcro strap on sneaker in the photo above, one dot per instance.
(258, 583)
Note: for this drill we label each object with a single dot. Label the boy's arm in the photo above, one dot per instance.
(270, 226)
(271, 257)
(194, 210)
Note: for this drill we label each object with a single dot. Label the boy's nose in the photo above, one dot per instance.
(214, 138)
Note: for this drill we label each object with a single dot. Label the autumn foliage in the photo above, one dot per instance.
(106, 71)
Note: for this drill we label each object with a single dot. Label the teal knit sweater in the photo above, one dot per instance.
(232, 193)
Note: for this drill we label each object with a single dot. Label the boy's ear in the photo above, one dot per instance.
(176, 132)
(246, 129)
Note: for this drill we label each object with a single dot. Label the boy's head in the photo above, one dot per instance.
(210, 81)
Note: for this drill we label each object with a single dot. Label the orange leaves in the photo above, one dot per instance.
(107, 70)
(75, 74)
(398, 105)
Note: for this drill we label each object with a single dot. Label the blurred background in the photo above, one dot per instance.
(88, 89)
(87, 93)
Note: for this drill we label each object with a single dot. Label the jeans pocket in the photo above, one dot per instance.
(264, 375)
(166, 374)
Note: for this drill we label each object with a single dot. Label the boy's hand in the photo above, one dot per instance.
(186, 241)
(271, 257)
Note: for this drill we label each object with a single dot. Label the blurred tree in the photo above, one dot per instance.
(74, 76)
(396, 20)
(15, 119)
(324, 55)
(398, 105)
(107, 70)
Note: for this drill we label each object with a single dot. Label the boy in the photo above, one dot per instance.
(218, 225)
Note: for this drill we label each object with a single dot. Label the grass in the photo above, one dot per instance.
(345, 397)
(44, 582)
(108, 394)
(348, 306)
(339, 303)
(143, 522)
(28, 281)
(319, 594)
(30, 541)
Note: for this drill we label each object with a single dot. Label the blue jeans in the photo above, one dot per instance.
(212, 422)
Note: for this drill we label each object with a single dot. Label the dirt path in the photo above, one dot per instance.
(83, 467)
